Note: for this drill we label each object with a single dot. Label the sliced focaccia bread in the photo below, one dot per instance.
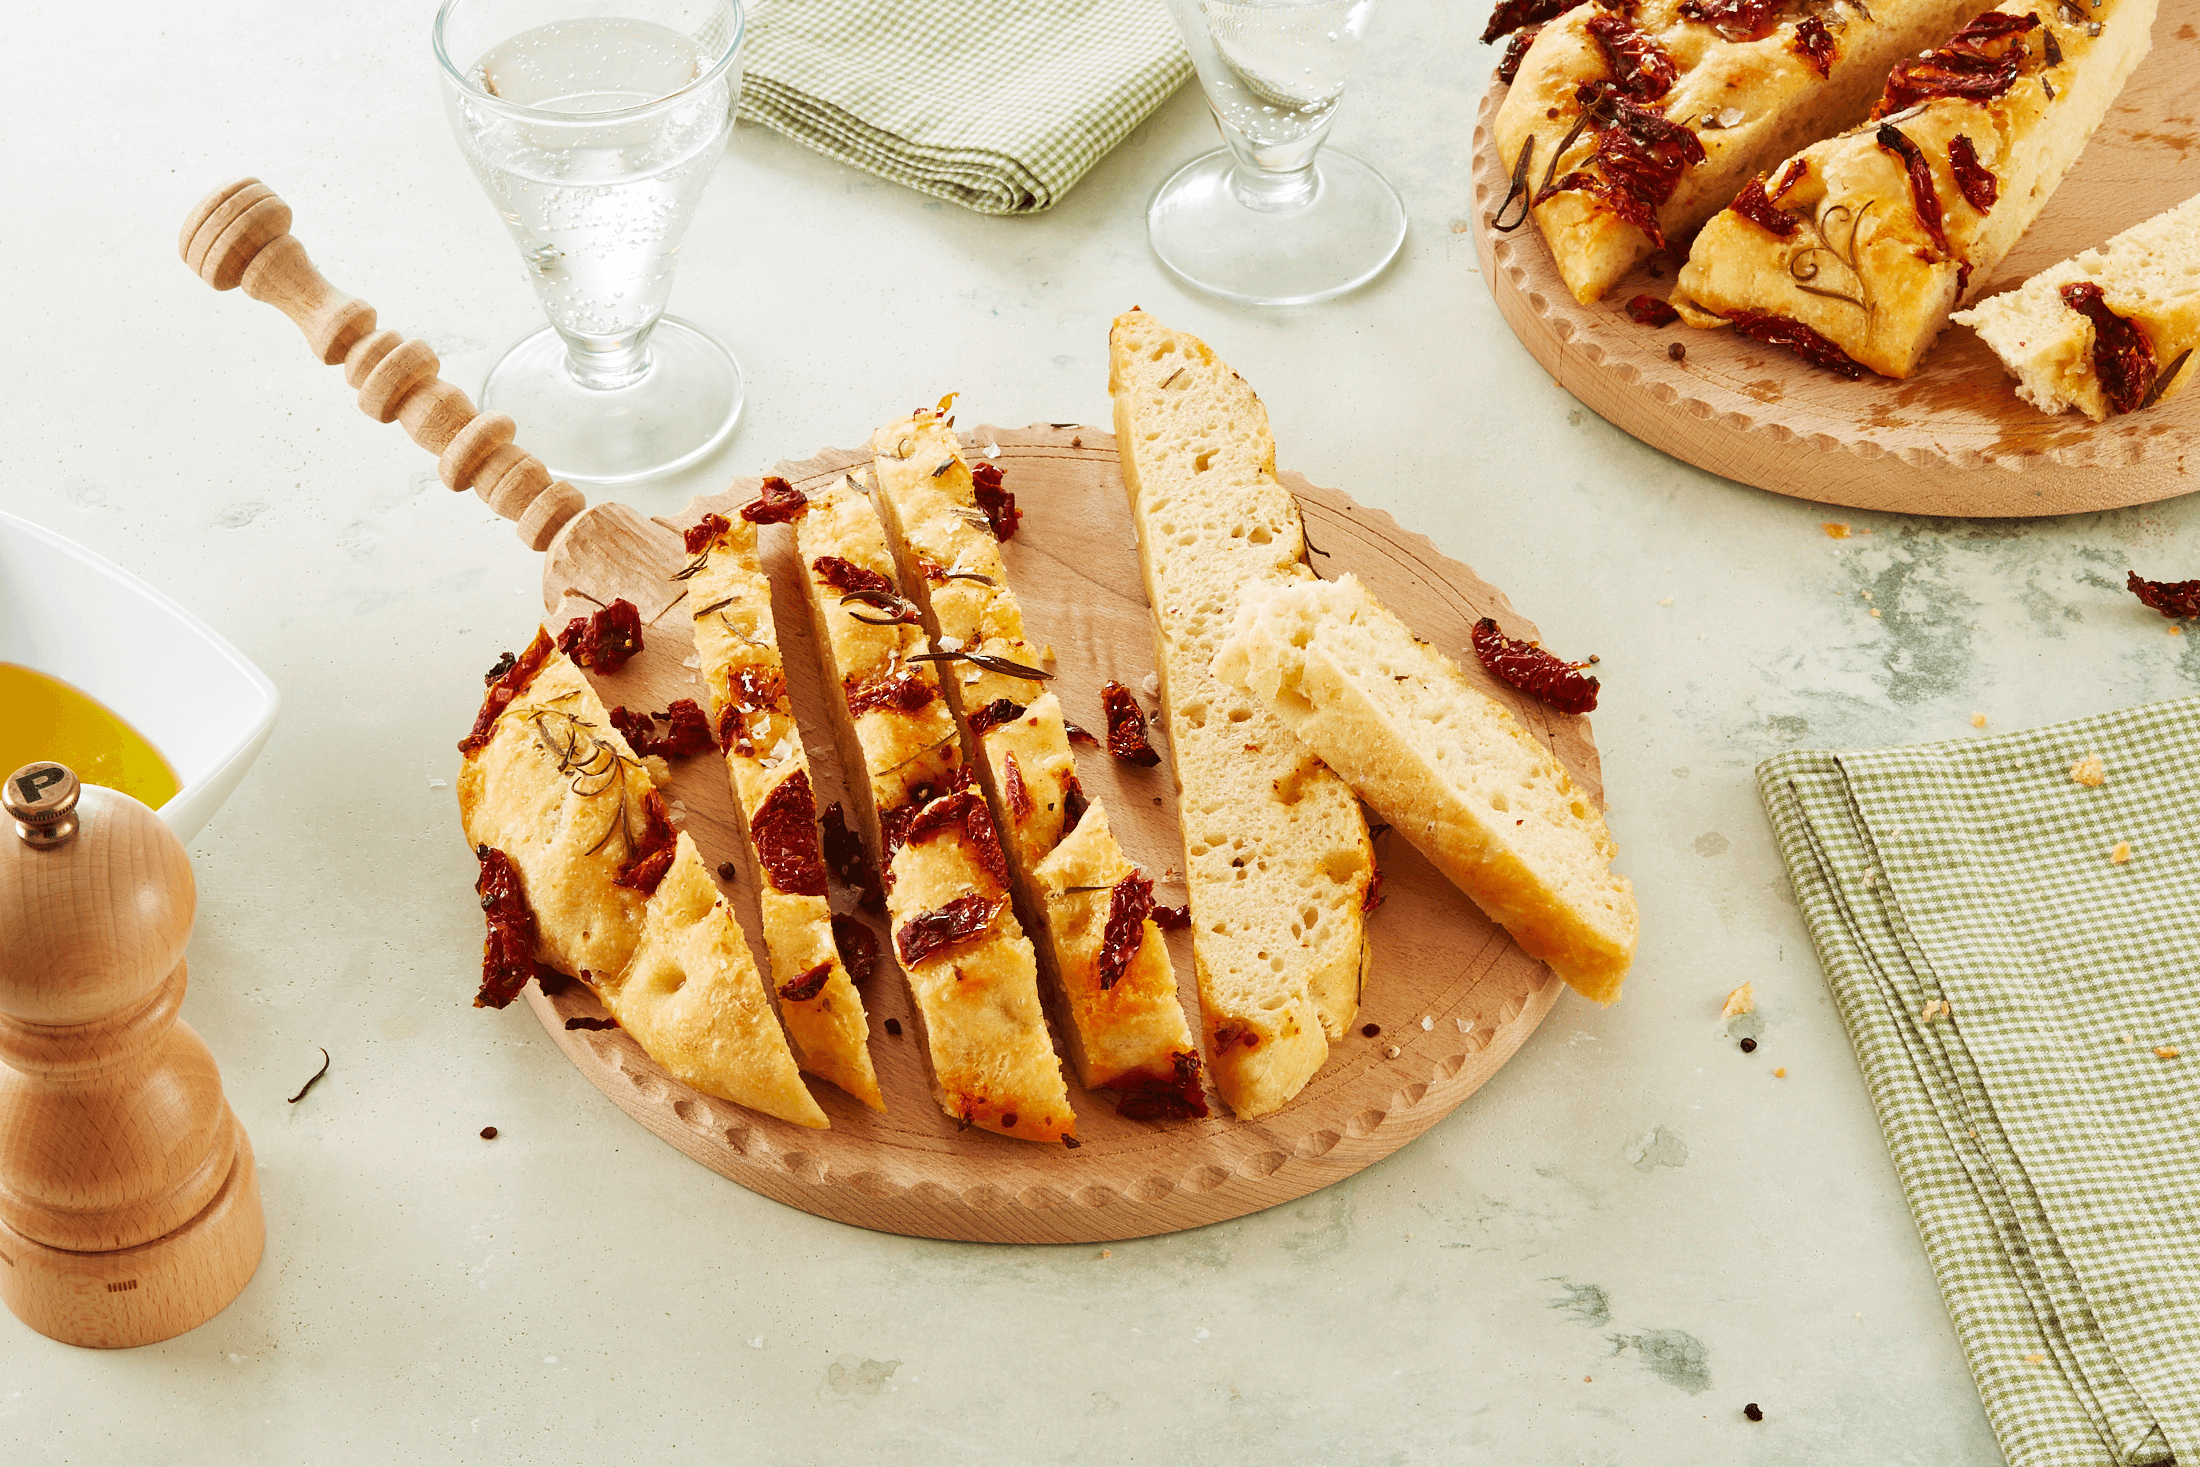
(583, 875)
(1627, 126)
(1127, 1031)
(2111, 331)
(971, 970)
(737, 649)
(1276, 851)
(1449, 767)
(1854, 251)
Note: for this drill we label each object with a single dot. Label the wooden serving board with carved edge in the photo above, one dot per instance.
(1953, 440)
(1074, 565)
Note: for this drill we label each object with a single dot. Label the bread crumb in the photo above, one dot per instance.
(2175, 630)
(2122, 853)
(1107, 1253)
(1668, 601)
(1741, 1001)
(2035, 1358)
(1834, 529)
(1875, 611)
(1390, 1051)
(1934, 1009)
(2165, 1051)
(1978, 720)
(1780, 1074)
(2088, 772)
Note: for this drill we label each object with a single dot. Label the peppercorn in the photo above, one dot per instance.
(1676, 352)
(1753, 1411)
(893, 1027)
(488, 1133)
(1371, 1030)
(1749, 1046)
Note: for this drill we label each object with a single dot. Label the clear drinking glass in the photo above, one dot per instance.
(595, 127)
(1265, 220)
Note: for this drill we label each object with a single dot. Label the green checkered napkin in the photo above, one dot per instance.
(2045, 1134)
(999, 107)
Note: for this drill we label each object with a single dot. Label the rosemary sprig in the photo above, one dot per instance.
(898, 612)
(987, 661)
(2162, 381)
(913, 758)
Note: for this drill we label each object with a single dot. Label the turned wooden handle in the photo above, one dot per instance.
(240, 235)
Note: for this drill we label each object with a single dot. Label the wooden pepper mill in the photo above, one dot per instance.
(129, 1204)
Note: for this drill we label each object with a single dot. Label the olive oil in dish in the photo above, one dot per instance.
(42, 717)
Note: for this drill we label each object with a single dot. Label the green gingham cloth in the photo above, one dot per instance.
(2046, 1124)
(997, 105)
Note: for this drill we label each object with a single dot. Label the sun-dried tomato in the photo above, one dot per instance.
(1640, 68)
(1176, 1096)
(1797, 338)
(993, 715)
(1078, 735)
(750, 689)
(582, 1021)
(903, 691)
(1129, 904)
(1511, 15)
(1074, 804)
(2123, 354)
(848, 578)
(1532, 670)
(962, 811)
(1640, 155)
(1924, 198)
(1737, 20)
(1228, 1034)
(2174, 599)
(1373, 896)
(1126, 726)
(893, 824)
(508, 685)
(1648, 310)
(1013, 790)
(784, 831)
(651, 856)
(687, 731)
(1796, 171)
(807, 986)
(779, 503)
(1814, 43)
(704, 533)
(960, 920)
(1516, 51)
(1980, 187)
(1978, 63)
(504, 664)
(508, 952)
(603, 642)
(998, 503)
(857, 945)
(1172, 919)
(1752, 204)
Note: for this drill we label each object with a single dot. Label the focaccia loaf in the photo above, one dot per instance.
(1128, 1038)
(1449, 767)
(1708, 93)
(2148, 277)
(1277, 856)
(620, 900)
(737, 649)
(1868, 240)
(976, 994)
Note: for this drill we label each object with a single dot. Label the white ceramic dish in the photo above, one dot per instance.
(79, 617)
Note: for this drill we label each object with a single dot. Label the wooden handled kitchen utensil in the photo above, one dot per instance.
(129, 1202)
(240, 235)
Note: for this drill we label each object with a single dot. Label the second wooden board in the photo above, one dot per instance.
(1450, 996)
(1953, 440)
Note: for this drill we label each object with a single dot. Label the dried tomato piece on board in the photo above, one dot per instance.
(1797, 338)
(857, 945)
(1980, 187)
(603, 642)
(704, 533)
(1814, 43)
(1640, 68)
(1516, 51)
(508, 685)
(807, 986)
(1752, 204)
(1981, 61)
(650, 858)
(959, 921)
(1126, 726)
(1129, 904)
(1924, 197)
(1373, 897)
(848, 578)
(1078, 735)
(2123, 354)
(1175, 1097)
(1736, 20)
(902, 692)
(508, 952)
(1511, 15)
(1648, 310)
(779, 503)
(998, 504)
(784, 831)
(2174, 599)
(1173, 919)
(850, 862)
(1525, 666)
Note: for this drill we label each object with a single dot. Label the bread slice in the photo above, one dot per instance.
(2149, 276)
(1276, 851)
(1744, 100)
(977, 995)
(620, 900)
(952, 566)
(744, 678)
(1449, 767)
(1853, 251)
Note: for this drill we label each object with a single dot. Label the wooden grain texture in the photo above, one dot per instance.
(1075, 568)
(129, 1205)
(1954, 439)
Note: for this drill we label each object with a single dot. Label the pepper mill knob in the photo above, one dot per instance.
(129, 1202)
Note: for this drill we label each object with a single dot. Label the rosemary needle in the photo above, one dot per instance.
(317, 1074)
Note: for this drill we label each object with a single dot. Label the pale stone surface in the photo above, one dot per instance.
(1599, 1259)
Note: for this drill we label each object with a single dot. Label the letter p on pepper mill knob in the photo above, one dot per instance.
(129, 1203)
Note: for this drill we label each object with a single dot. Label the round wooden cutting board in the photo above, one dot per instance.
(1448, 989)
(1953, 440)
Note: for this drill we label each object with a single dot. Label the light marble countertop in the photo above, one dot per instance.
(1599, 1258)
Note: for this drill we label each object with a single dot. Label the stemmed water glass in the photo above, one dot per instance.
(1266, 220)
(595, 128)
